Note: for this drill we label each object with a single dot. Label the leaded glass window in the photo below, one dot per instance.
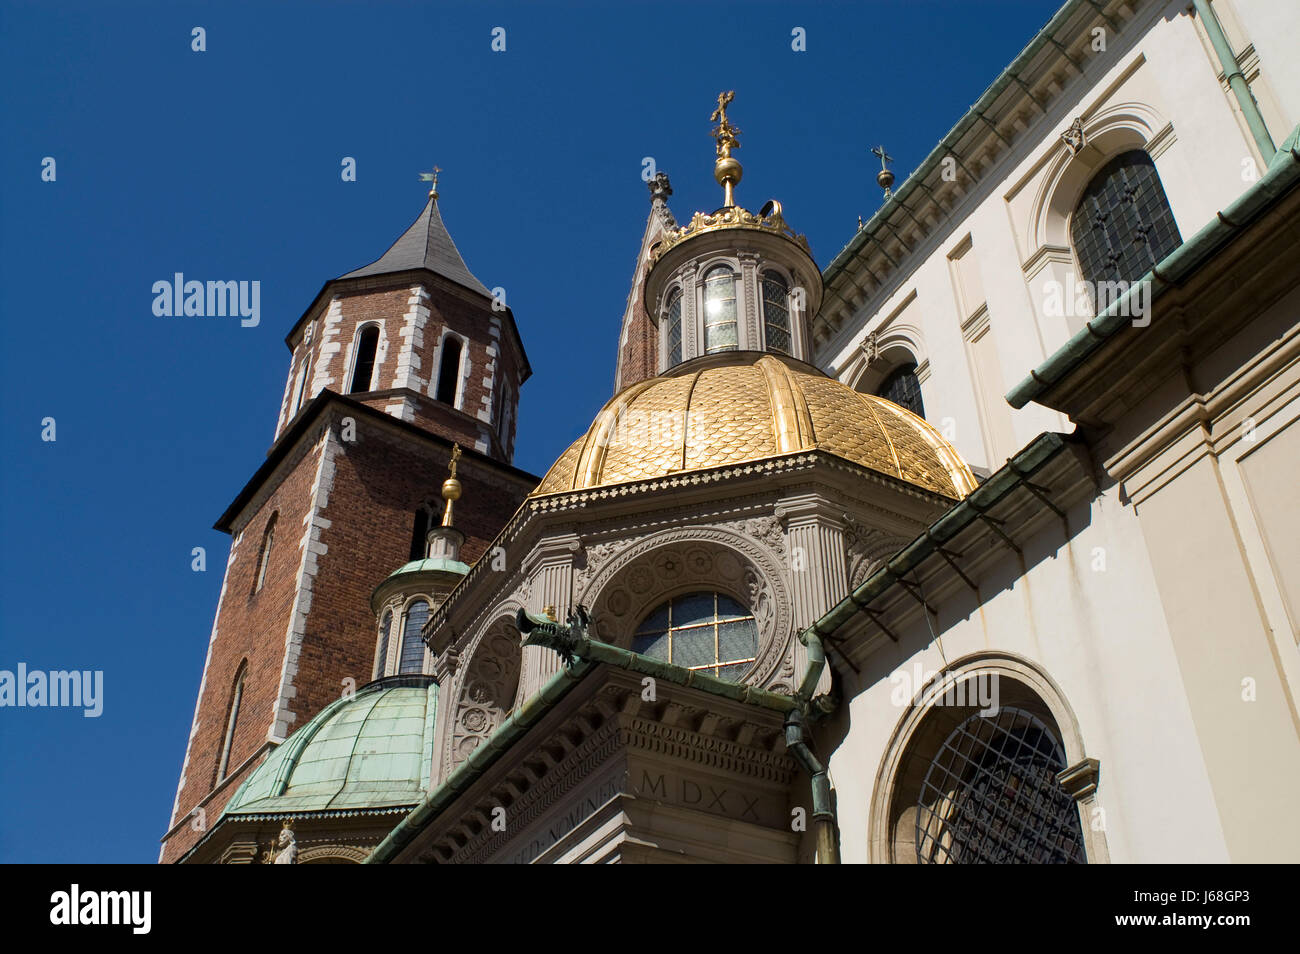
(672, 327)
(903, 388)
(384, 629)
(720, 310)
(1123, 224)
(708, 632)
(991, 796)
(776, 313)
(412, 645)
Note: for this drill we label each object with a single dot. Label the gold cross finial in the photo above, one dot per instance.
(726, 170)
(884, 178)
(431, 177)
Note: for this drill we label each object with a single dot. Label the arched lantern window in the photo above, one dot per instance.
(776, 313)
(720, 310)
(417, 614)
(672, 327)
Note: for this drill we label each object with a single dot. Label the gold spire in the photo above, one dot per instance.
(451, 486)
(432, 178)
(727, 171)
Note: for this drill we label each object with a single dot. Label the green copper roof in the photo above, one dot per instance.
(441, 564)
(370, 751)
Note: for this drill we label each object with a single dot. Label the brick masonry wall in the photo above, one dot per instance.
(639, 358)
(413, 317)
(364, 533)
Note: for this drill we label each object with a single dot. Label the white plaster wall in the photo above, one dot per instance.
(1101, 637)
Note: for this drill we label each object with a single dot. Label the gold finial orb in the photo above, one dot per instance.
(451, 488)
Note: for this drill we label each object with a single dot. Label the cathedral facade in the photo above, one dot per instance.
(975, 544)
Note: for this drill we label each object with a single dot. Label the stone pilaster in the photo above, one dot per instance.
(747, 318)
(549, 570)
(814, 534)
(691, 335)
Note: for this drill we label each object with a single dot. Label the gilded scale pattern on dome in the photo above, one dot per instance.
(647, 442)
(755, 407)
(730, 418)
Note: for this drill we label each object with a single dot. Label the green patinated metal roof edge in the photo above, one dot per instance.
(1036, 455)
(297, 743)
(537, 705)
(973, 116)
(429, 565)
(1281, 176)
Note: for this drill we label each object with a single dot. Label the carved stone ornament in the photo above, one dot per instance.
(866, 549)
(1074, 137)
(286, 847)
(487, 691)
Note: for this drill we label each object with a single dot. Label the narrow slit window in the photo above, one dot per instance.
(264, 555)
(236, 698)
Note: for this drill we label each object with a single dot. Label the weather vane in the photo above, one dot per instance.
(432, 178)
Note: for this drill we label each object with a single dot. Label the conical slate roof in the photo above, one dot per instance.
(426, 244)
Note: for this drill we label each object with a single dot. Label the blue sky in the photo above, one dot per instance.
(225, 164)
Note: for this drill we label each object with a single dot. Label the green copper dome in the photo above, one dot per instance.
(371, 751)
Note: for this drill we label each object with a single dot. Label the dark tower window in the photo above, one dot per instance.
(902, 387)
(991, 796)
(412, 645)
(449, 371)
(672, 327)
(776, 313)
(1123, 224)
(364, 366)
(420, 533)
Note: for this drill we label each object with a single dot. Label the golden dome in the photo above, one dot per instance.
(746, 406)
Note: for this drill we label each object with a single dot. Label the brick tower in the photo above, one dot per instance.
(392, 364)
